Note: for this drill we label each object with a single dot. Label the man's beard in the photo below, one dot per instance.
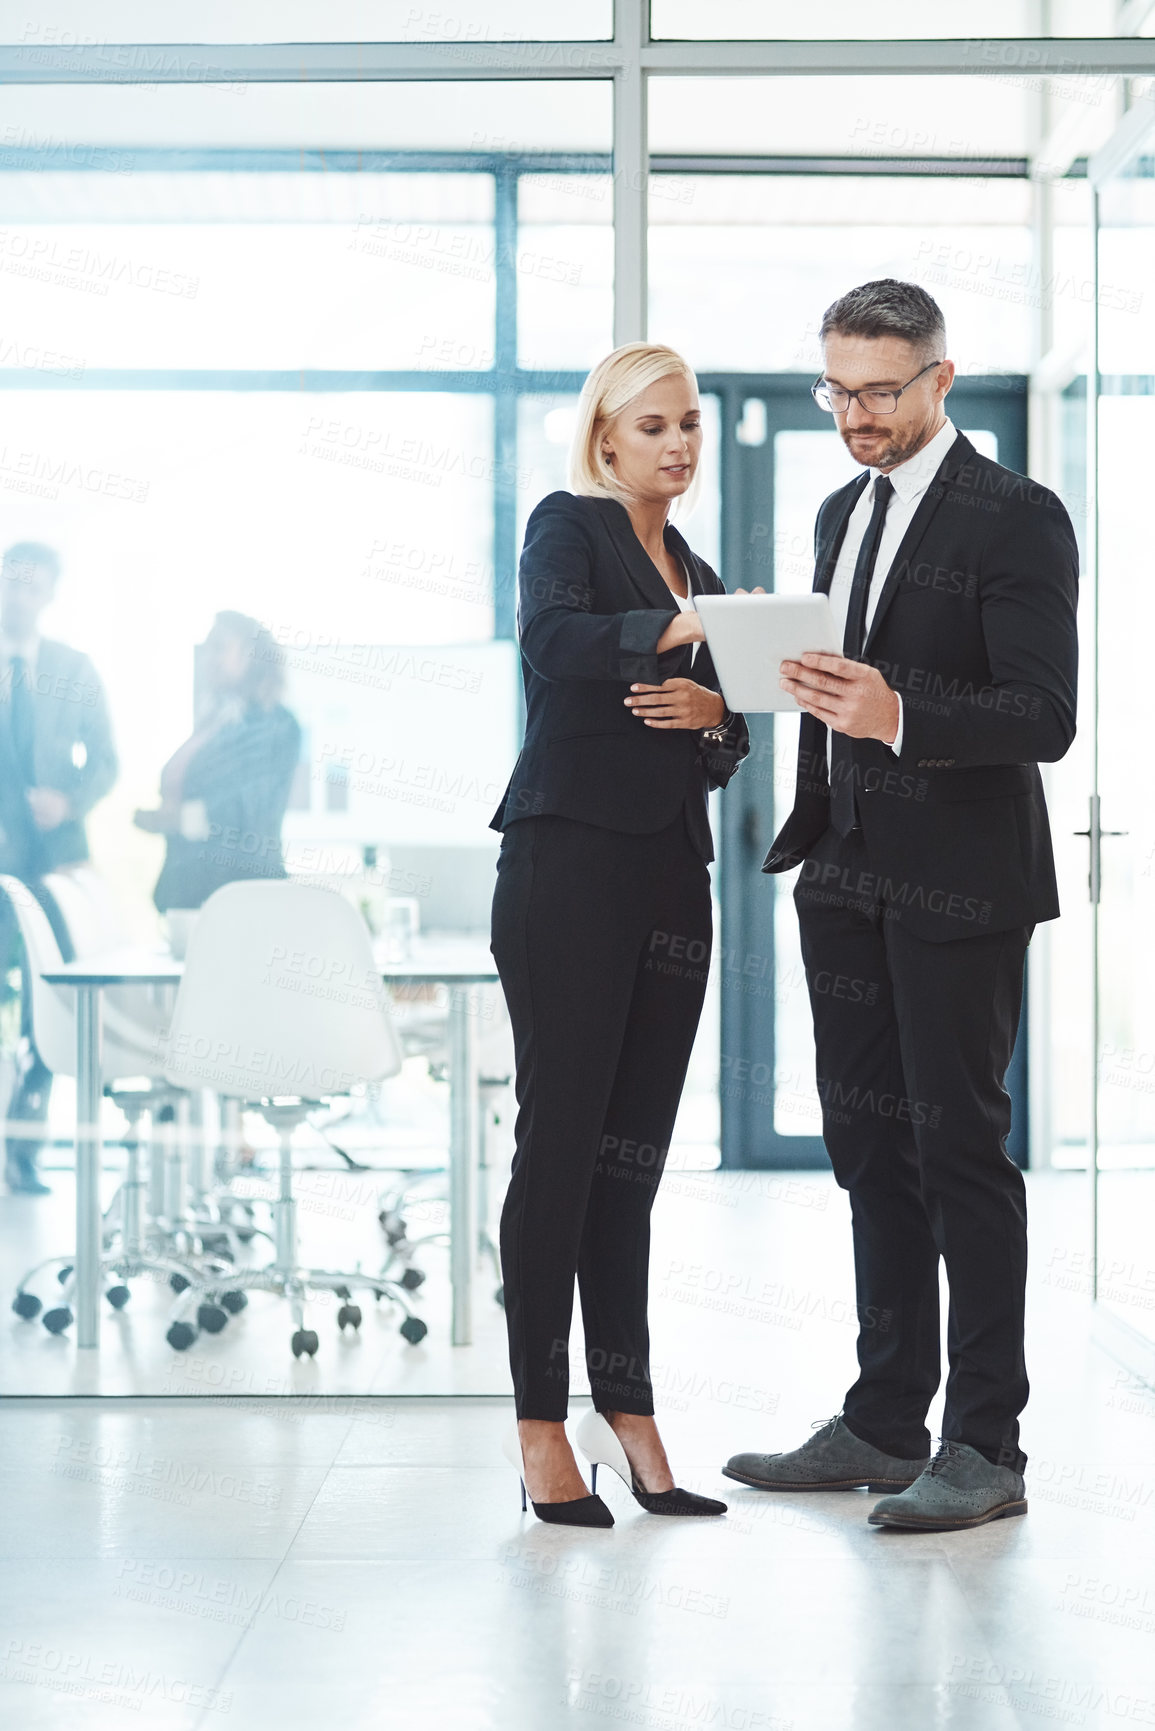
(889, 454)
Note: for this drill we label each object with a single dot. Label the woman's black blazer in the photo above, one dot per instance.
(591, 608)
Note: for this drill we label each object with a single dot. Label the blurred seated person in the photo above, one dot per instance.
(56, 760)
(223, 793)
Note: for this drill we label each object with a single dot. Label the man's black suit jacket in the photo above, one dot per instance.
(975, 629)
(592, 606)
(73, 752)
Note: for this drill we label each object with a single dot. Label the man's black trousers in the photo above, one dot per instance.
(913, 1042)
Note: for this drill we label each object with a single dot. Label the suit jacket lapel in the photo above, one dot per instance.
(642, 571)
(831, 537)
(960, 452)
(678, 546)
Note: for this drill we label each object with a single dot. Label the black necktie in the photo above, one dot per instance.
(842, 801)
(23, 720)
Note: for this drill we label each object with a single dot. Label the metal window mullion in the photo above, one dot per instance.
(217, 64)
(157, 159)
(505, 238)
(297, 380)
(1041, 445)
(1016, 57)
(1091, 576)
(631, 172)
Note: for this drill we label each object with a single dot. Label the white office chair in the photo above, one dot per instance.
(90, 912)
(187, 1209)
(131, 1051)
(282, 1006)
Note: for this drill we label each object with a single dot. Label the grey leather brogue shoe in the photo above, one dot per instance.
(960, 1488)
(832, 1460)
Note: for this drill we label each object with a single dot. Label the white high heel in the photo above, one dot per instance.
(599, 1442)
(577, 1512)
(602, 1447)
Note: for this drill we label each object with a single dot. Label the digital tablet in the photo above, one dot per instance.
(750, 635)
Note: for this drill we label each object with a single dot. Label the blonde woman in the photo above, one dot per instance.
(601, 918)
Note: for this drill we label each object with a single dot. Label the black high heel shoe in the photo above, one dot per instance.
(601, 1446)
(578, 1512)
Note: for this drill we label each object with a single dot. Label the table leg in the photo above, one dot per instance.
(462, 1159)
(89, 1089)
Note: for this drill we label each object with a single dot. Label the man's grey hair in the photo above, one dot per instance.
(888, 308)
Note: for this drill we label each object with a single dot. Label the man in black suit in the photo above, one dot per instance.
(56, 760)
(921, 829)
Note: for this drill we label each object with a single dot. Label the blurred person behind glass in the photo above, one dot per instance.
(57, 760)
(224, 791)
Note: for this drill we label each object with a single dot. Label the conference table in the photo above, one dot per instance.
(461, 966)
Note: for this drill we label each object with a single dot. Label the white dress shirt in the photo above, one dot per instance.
(28, 647)
(911, 480)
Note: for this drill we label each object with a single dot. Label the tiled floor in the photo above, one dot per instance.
(364, 1564)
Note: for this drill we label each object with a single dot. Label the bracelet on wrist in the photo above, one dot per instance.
(718, 730)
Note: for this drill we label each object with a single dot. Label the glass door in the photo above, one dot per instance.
(781, 457)
(1122, 816)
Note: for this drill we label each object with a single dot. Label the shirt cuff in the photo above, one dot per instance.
(896, 742)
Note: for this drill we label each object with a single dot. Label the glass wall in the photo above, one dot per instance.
(264, 354)
(1125, 1093)
(266, 377)
(816, 183)
(310, 352)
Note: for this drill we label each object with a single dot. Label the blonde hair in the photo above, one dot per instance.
(613, 384)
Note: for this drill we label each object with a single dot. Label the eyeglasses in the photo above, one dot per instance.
(836, 401)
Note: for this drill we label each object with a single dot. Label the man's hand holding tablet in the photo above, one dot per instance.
(849, 696)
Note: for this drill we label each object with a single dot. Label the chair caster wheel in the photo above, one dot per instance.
(246, 1234)
(178, 1282)
(499, 1297)
(181, 1336)
(27, 1305)
(212, 1318)
(412, 1279)
(118, 1296)
(305, 1340)
(56, 1321)
(234, 1302)
(62, 1274)
(414, 1329)
(349, 1315)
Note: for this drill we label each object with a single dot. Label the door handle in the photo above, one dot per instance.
(1095, 834)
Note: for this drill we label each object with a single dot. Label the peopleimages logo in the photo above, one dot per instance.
(830, 879)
